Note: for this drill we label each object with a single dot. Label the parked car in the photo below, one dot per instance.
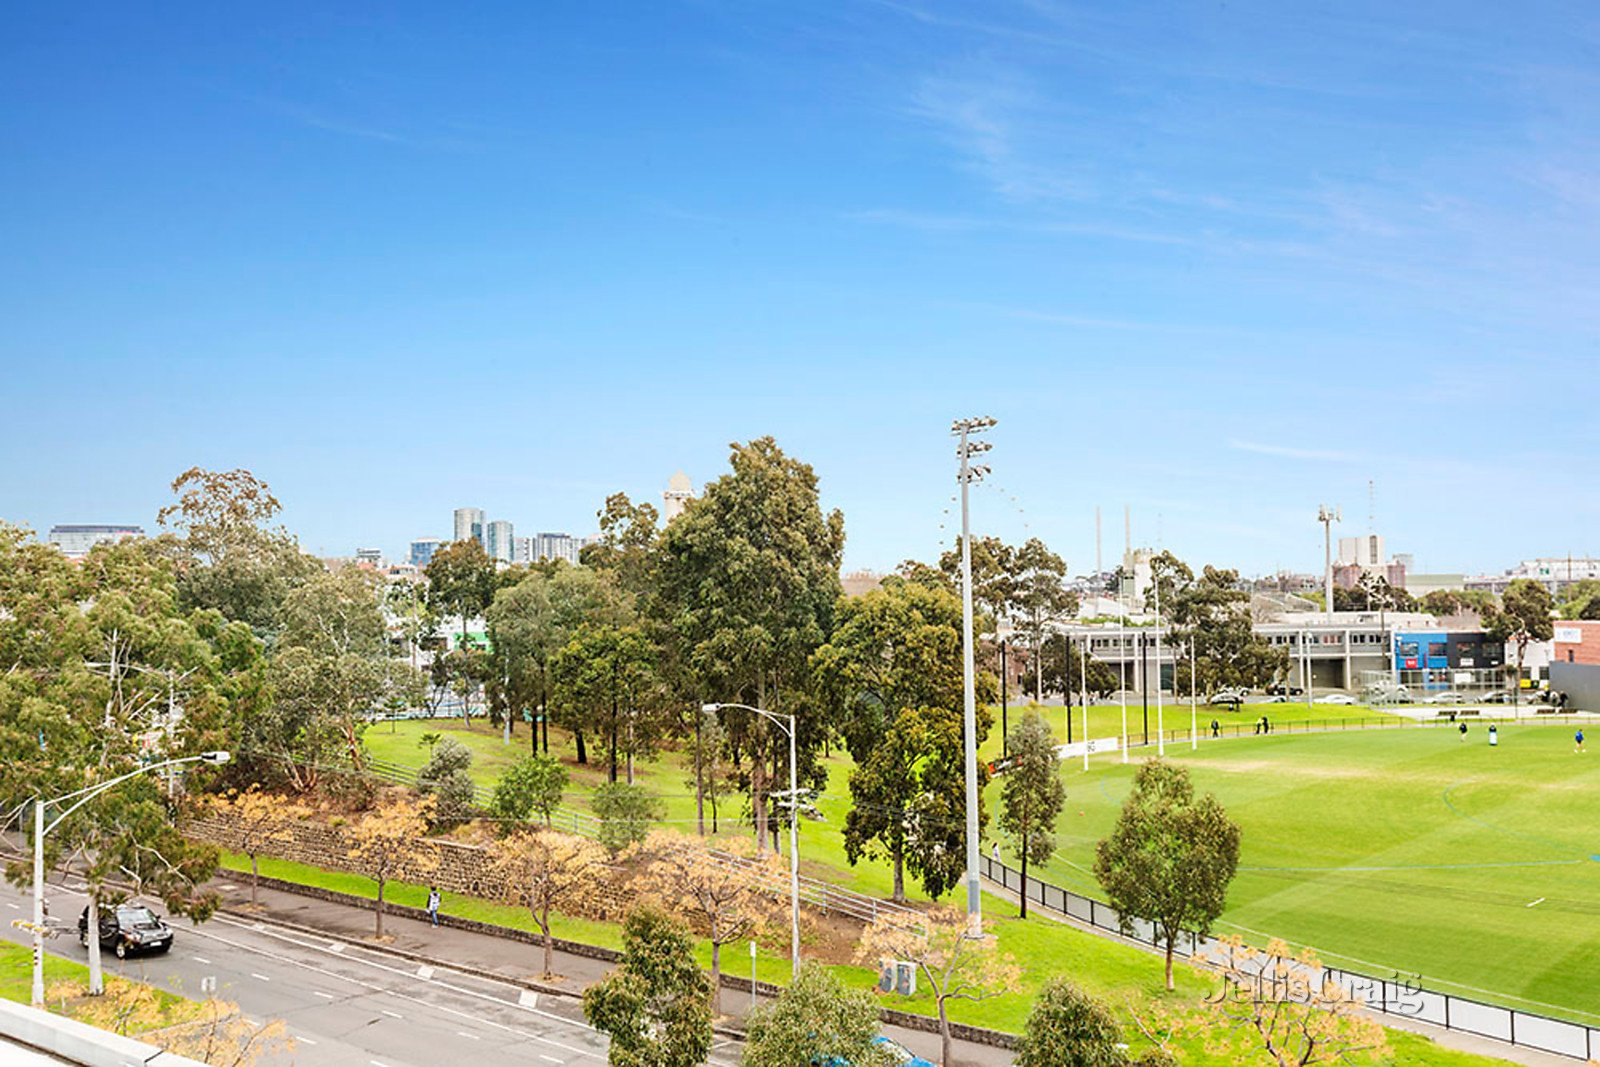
(1450, 697)
(127, 929)
(1335, 698)
(1499, 696)
(1388, 693)
(1285, 691)
(1228, 696)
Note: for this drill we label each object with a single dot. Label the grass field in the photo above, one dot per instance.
(1476, 868)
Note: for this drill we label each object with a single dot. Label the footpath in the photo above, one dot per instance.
(510, 959)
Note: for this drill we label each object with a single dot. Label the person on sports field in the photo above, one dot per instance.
(1494, 735)
(1463, 731)
(1579, 740)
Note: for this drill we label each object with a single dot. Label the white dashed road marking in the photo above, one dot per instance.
(320, 993)
(201, 959)
(304, 1041)
(552, 1059)
(469, 1037)
(391, 1014)
(262, 977)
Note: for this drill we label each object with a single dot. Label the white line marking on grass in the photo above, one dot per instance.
(1536, 903)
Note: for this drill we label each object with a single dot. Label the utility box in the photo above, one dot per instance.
(897, 976)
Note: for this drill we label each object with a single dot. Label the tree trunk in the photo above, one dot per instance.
(1024, 909)
(716, 978)
(255, 880)
(1171, 941)
(97, 981)
(549, 945)
(379, 910)
(699, 775)
(944, 1036)
(758, 774)
(583, 753)
(899, 895)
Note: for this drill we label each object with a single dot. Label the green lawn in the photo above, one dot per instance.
(16, 984)
(1476, 868)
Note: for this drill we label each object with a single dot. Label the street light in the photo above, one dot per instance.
(788, 726)
(969, 473)
(82, 796)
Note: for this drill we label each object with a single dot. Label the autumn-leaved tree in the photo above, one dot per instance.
(953, 965)
(817, 1019)
(656, 1005)
(259, 821)
(1169, 858)
(390, 838)
(545, 871)
(1031, 795)
(1284, 1004)
(718, 896)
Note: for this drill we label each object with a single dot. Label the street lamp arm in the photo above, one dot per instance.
(782, 718)
(90, 792)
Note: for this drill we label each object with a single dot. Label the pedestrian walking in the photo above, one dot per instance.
(1463, 731)
(1266, 725)
(1216, 728)
(995, 852)
(1494, 736)
(1579, 739)
(433, 905)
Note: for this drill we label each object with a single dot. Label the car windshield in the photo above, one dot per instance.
(140, 918)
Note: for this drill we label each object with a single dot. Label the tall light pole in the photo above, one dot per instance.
(963, 429)
(786, 722)
(41, 829)
(1328, 516)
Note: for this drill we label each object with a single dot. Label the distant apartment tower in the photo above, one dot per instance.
(470, 526)
(76, 539)
(498, 542)
(422, 550)
(557, 546)
(680, 490)
(522, 550)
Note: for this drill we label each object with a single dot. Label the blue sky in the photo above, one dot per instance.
(1219, 262)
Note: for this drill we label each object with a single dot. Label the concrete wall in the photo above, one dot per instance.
(461, 868)
(1581, 683)
(79, 1043)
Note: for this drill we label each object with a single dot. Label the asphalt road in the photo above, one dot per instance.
(345, 1005)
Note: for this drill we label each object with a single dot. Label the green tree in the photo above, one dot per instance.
(749, 580)
(908, 800)
(1065, 664)
(994, 575)
(1442, 602)
(1524, 616)
(462, 581)
(817, 1019)
(606, 677)
(626, 549)
(893, 648)
(1040, 597)
(626, 813)
(447, 777)
(1169, 858)
(1213, 629)
(533, 784)
(1069, 1028)
(1031, 795)
(228, 559)
(656, 1005)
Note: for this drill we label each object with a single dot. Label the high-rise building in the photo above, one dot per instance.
(470, 527)
(76, 539)
(680, 490)
(522, 550)
(498, 543)
(557, 546)
(422, 550)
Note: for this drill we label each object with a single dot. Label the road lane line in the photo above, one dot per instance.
(262, 977)
(201, 959)
(391, 1014)
(478, 1019)
(552, 1059)
(469, 1037)
(320, 993)
(300, 1040)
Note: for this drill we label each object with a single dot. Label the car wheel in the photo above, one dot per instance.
(121, 949)
(83, 938)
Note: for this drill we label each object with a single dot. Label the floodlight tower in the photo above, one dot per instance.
(1328, 516)
(963, 429)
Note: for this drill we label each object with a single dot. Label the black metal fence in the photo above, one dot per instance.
(1396, 995)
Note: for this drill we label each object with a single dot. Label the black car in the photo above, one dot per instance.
(127, 929)
(1285, 691)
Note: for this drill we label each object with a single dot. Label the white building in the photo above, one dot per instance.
(76, 539)
(680, 490)
(498, 540)
(470, 526)
(557, 546)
